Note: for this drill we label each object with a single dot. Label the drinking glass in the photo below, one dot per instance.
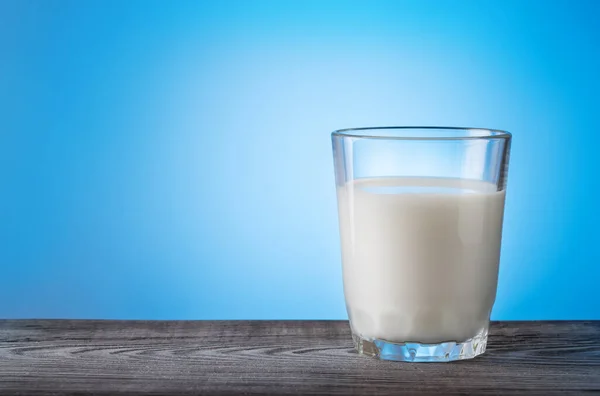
(420, 215)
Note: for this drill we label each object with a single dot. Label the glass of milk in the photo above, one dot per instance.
(420, 212)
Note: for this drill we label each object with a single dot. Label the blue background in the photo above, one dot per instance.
(173, 160)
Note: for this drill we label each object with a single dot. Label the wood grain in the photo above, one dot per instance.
(51, 357)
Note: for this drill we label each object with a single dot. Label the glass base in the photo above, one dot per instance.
(423, 353)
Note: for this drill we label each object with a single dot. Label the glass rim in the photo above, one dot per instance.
(482, 133)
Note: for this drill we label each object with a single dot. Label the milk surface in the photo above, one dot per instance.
(420, 256)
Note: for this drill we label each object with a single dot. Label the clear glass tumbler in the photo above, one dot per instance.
(420, 212)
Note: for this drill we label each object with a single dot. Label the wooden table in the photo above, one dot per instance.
(49, 357)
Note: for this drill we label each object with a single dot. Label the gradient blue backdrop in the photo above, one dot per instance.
(173, 159)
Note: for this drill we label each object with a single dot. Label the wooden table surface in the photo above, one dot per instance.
(50, 357)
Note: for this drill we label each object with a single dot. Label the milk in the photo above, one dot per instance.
(420, 256)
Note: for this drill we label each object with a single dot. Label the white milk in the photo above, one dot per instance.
(420, 256)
